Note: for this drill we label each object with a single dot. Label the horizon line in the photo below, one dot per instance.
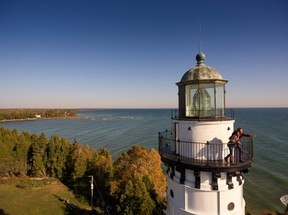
(81, 108)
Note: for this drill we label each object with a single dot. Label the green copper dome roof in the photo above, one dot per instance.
(201, 71)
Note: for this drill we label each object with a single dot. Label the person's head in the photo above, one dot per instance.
(240, 130)
(236, 133)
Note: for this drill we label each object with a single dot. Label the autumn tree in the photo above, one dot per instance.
(135, 170)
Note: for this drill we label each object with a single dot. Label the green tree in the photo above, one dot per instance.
(101, 166)
(37, 155)
(57, 153)
(7, 158)
(20, 150)
(79, 161)
(135, 199)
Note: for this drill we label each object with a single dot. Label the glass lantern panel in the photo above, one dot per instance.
(190, 92)
(220, 106)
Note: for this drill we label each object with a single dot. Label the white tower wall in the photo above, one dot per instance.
(217, 133)
(185, 199)
(194, 131)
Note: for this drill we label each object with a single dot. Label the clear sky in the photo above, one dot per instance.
(130, 53)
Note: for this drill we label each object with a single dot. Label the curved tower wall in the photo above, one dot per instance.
(216, 133)
(185, 199)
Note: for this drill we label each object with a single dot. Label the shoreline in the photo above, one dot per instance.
(42, 118)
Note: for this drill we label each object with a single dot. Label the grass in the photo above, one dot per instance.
(45, 199)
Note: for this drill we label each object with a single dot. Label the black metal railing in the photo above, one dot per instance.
(203, 153)
(216, 114)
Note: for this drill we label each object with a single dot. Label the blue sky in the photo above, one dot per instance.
(130, 53)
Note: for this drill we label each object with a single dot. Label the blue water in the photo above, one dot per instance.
(119, 129)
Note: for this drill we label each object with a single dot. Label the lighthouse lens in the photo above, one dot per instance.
(203, 102)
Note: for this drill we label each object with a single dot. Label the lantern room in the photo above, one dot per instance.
(201, 92)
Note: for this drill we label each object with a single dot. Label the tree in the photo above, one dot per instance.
(139, 166)
(135, 199)
(78, 161)
(7, 155)
(101, 166)
(37, 155)
(21, 148)
(56, 156)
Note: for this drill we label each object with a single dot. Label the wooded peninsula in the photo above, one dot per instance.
(32, 114)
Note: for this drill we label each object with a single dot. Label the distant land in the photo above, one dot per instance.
(34, 113)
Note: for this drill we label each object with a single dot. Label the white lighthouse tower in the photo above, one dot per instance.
(199, 180)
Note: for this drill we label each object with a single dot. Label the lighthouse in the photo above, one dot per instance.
(199, 180)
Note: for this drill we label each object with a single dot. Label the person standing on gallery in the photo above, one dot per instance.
(232, 144)
(242, 134)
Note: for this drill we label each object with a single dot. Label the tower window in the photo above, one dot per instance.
(231, 206)
(172, 193)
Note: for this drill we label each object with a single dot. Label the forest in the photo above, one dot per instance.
(132, 184)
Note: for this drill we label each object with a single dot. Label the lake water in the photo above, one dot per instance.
(119, 129)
